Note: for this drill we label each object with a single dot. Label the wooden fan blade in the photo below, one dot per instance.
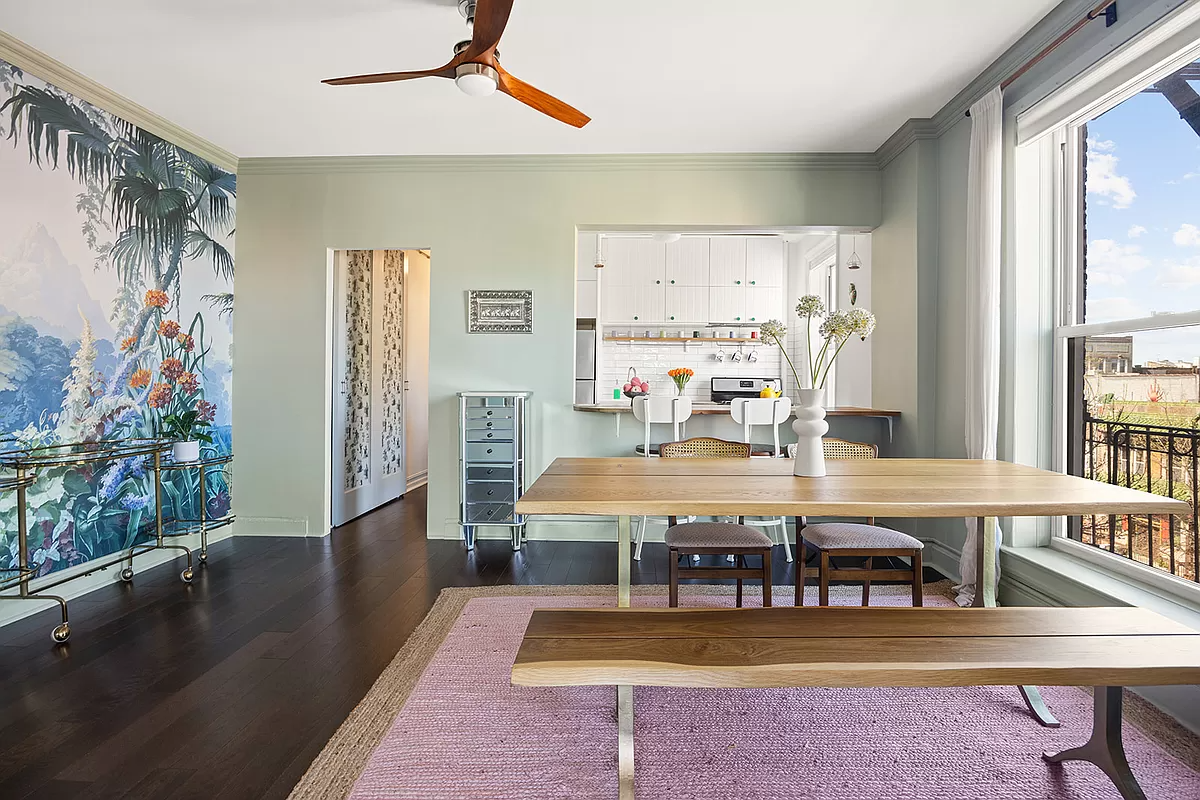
(537, 99)
(490, 18)
(386, 77)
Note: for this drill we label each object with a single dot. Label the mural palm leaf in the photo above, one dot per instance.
(48, 117)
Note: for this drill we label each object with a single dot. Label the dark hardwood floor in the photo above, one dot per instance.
(228, 688)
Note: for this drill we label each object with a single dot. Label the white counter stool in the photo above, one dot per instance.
(853, 540)
(752, 412)
(653, 410)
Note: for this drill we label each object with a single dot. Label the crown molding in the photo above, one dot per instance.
(37, 63)
(906, 134)
(560, 163)
(1044, 31)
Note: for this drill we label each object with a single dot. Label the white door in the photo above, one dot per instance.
(368, 402)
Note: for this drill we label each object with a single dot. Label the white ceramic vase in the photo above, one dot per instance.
(184, 452)
(810, 426)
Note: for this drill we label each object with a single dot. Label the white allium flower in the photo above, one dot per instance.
(810, 306)
(864, 322)
(837, 326)
(773, 329)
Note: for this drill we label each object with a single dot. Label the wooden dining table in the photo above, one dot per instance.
(904, 488)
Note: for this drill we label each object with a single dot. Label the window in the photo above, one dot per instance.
(1128, 328)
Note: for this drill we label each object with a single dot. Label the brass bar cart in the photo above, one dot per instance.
(18, 471)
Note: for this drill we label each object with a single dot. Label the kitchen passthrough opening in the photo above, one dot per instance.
(649, 303)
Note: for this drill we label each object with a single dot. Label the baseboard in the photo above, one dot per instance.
(77, 587)
(273, 526)
(417, 480)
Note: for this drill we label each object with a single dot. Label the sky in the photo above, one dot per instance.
(1143, 222)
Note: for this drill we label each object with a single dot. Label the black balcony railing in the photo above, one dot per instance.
(1160, 459)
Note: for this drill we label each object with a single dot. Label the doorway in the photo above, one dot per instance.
(379, 430)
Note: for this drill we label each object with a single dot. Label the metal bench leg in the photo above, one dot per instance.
(625, 742)
(1105, 748)
(985, 597)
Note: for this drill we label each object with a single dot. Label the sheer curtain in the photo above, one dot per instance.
(984, 177)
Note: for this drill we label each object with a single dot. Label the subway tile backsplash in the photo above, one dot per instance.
(653, 360)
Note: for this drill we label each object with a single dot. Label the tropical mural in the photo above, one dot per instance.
(116, 306)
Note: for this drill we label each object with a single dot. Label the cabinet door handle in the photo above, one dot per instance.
(635, 316)
(672, 317)
(739, 283)
(753, 282)
(490, 434)
(489, 413)
(737, 319)
(490, 423)
(489, 451)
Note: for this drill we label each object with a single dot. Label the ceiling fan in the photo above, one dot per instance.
(476, 68)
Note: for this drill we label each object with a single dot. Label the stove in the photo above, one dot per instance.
(726, 390)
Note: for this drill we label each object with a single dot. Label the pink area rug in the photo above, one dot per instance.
(465, 732)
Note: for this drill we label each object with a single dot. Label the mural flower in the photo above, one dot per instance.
(188, 383)
(140, 379)
(186, 342)
(171, 368)
(128, 343)
(157, 299)
(160, 395)
(207, 411)
(168, 328)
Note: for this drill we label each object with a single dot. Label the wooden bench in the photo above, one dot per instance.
(1106, 648)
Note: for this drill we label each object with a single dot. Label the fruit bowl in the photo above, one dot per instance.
(631, 393)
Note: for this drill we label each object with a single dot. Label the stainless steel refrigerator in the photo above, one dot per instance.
(585, 366)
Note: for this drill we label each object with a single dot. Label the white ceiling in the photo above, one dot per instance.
(656, 76)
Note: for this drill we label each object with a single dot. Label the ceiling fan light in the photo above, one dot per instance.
(476, 80)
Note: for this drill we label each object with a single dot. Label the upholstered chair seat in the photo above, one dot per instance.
(715, 534)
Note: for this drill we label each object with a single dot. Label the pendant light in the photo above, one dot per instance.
(599, 263)
(854, 262)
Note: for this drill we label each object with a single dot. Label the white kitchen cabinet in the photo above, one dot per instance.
(727, 261)
(647, 303)
(687, 304)
(687, 262)
(616, 301)
(764, 261)
(764, 303)
(727, 304)
(634, 261)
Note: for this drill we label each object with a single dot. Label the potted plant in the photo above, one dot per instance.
(835, 330)
(187, 429)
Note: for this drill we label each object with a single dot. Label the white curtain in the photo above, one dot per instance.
(984, 176)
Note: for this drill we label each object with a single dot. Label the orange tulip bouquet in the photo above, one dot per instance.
(681, 376)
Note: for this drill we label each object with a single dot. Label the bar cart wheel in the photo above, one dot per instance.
(203, 558)
(127, 574)
(61, 632)
(186, 575)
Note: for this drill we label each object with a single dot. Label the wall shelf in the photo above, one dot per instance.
(680, 339)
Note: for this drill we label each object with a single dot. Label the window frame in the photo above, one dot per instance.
(1158, 52)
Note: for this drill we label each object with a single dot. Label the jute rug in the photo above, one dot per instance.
(443, 723)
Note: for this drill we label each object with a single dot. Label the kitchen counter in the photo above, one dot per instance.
(625, 407)
(621, 407)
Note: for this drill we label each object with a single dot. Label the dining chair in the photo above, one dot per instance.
(654, 410)
(867, 542)
(755, 412)
(689, 539)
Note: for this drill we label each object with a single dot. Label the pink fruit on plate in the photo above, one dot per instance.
(627, 387)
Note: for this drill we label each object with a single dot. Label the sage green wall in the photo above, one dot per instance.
(490, 223)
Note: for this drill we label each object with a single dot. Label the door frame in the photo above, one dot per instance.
(331, 364)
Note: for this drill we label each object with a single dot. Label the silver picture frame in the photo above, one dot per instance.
(500, 311)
